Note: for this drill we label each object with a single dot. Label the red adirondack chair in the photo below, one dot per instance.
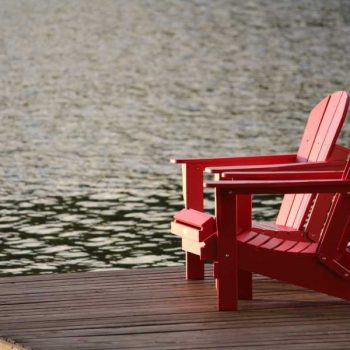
(322, 265)
(317, 151)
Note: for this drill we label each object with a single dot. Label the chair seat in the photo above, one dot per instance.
(271, 226)
(279, 231)
(266, 240)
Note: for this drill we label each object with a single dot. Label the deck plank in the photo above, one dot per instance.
(158, 309)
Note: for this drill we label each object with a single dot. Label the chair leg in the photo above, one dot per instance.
(194, 267)
(244, 223)
(192, 175)
(227, 290)
(227, 274)
(245, 285)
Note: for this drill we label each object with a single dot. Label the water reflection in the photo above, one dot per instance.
(97, 231)
(95, 97)
(86, 232)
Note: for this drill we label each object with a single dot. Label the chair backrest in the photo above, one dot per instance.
(317, 144)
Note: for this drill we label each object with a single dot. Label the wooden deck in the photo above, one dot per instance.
(157, 309)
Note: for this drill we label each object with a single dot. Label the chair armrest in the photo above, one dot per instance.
(307, 166)
(282, 175)
(232, 161)
(282, 186)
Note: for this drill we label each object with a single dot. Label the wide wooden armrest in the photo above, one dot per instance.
(282, 186)
(282, 175)
(232, 161)
(307, 166)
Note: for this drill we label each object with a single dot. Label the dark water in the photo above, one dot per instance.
(96, 96)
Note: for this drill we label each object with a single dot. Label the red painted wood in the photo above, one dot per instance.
(336, 233)
(282, 175)
(184, 231)
(304, 208)
(272, 243)
(271, 226)
(194, 267)
(293, 211)
(334, 128)
(247, 236)
(321, 132)
(205, 250)
(193, 196)
(318, 214)
(307, 166)
(338, 266)
(285, 246)
(287, 204)
(190, 233)
(311, 249)
(259, 240)
(244, 224)
(232, 161)
(330, 127)
(278, 231)
(287, 186)
(245, 285)
(311, 129)
(227, 268)
(296, 235)
(264, 225)
(297, 262)
(302, 269)
(192, 246)
(192, 176)
(215, 270)
(209, 251)
(203, 221)
(193, 225)
(340, 153)
(244, 212)
(299, 247)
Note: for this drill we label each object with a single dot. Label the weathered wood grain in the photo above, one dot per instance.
(158, 309)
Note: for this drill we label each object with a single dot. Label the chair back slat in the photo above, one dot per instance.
(321, 132)
(318, 213)
(330, 127)
(311, 129)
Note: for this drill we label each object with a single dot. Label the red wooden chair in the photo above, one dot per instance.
(317, 151)
(322, 265)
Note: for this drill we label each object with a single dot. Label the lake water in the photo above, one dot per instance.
(96, 96)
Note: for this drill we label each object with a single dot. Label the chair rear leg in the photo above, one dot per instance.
(194, 267)
(192, 176)
(245, 285)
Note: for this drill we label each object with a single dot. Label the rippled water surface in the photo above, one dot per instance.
(96, 96)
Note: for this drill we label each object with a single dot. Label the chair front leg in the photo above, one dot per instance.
(244, 223)
(227, 263)
(192, 177)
